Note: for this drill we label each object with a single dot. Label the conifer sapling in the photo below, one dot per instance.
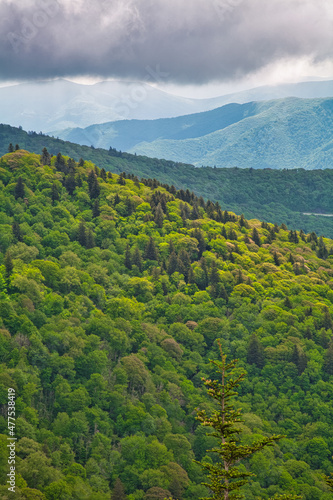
(226, 476)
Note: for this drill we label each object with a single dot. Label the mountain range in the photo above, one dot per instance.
(283, 133)
(273, 195)
(55, 105)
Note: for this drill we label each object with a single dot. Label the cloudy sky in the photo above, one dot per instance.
(181, 45)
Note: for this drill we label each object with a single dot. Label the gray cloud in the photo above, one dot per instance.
(193, 41)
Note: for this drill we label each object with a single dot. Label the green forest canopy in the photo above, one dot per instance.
(112, 295)
(281, 196)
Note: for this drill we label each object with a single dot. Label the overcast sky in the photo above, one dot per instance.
(185, 44)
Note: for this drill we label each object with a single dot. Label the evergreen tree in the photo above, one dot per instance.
(195, 213)
(70, 183)
(226, 217)
(232, 234)
(90, 239)
(327, 320)
(8, 262)
(190, 277)
(313, 237)
(204, 268)
(231, 257)
(172, 265)
(299, 358)
(322, 252)
(159, 216)
(308, 334)
(17, 147)
(171, 247)
(103, 174)
(54, 193)
(81, 162)
(128, 257)
(116, 199)
(17, 231)
(287, 302)
(151, 250)
(93, 185)
(255, 352)
(82, 234)
(243, 222)
(45, 157)
(184, 263)
(121, 180)
(91, 179)
(239, 277)
(95, 209)
(118, 492)
(10, 148)
(221, 292)
(198, 235)
(214, 276)
(226, 476)
(219, 216)
(255, 236)
(184, 212)
(78, 180)
(276, 259)
(19, 188)
(60, 163)
(329, 481)
(71, 165)
(137, 259)
(328, 360)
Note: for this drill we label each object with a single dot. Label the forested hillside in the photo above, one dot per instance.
(113, 293)
(270, 195)
(282, 133)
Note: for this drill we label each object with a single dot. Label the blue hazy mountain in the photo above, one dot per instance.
(55, 105)
(283, 133)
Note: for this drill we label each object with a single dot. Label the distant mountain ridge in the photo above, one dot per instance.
(284, 133)
(273, 195)
(60, 104)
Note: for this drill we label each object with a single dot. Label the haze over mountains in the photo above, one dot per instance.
(55, 105)
(284, 133)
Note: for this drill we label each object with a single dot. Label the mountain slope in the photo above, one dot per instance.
(129, 134)
(60, 104)
(287, 133)
(112, 295)
(273, 195)
(56, 105)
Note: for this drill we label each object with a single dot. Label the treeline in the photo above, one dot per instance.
(281, 196)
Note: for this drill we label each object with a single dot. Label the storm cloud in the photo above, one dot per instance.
(181, 41)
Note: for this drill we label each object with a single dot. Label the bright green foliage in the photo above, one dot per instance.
(311, 190)
(329, 481)
(285, 497)
(106, 346)
(226, 475)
